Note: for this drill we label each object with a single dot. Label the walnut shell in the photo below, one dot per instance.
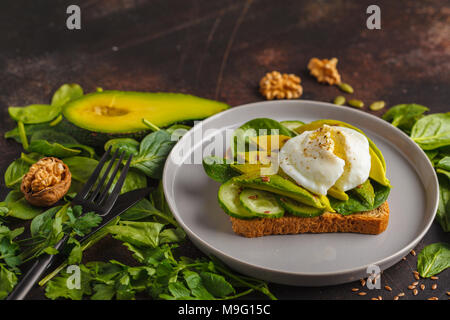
(47, 181)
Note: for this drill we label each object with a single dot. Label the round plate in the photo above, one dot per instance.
(302, 259)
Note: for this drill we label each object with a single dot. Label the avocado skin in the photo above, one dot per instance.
(95, 139)
(278, 185)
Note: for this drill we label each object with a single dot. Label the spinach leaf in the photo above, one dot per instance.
(53, 143)
(15, 172)
(8, 280)
(127, 145)
(218, 169)
(153, 152)
(66, 93)
(433, 259)
(42, 224)
(35, 113)
(404, 116)
(19, 208)
(443, 211)
(81, 168)
(53, 149)
(444, 163)
(356, 204)
(29, 128)
(432, 131)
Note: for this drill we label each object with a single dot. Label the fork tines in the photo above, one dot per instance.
(95, 195)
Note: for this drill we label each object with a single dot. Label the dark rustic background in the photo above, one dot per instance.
(220, 49)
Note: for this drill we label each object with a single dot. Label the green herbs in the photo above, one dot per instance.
(35, 113)
(217, 169)
(403, 116)
(153, 151)
(15, 172)
(433, 259)
(66, 93)
(432, 134)
(432, 131)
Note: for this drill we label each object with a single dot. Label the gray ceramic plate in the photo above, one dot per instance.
(304, 259)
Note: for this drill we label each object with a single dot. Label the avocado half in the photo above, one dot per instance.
(97, 117)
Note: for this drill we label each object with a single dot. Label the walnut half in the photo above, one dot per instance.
(325, 70)
(47, 181)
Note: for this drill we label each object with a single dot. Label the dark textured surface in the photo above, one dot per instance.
(220, 50)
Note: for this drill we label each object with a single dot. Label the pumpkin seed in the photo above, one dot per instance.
(345, 87)
(339, 100)
(377, 105)
(355, 103)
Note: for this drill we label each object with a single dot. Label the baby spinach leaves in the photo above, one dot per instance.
(218, 169)
(432, 131)
(66, 93)
(127, 145)
(153, 151)
(15, 172)
(403, 116)
(433, 259)
(35, 113)
(18, 207)
(355, 203)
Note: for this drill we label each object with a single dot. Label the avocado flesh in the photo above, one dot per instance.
(278, 185)
(365, 192)
(122, 112)
(338, 194)
(378, 164)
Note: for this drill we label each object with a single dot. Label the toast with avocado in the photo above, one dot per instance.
(325, 176)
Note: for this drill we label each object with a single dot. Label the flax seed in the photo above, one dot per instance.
(380, 298)
(422, 287)
(374, 299)
(363, 282)
(411, 287)
(404, 258)
(434, 278)
(448, 293)
(362, 293)
(416, 276)
(355, 289)
(415, 292)
(413, 252)
(434, 287)
(388, 288)
(415, 283)
(433, 298)
(401, 294)
(396, 298)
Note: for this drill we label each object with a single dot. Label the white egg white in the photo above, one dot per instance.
(326, 157)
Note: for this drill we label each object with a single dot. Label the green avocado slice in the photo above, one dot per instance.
(278, 185)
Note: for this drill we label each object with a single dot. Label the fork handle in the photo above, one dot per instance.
(34, 274)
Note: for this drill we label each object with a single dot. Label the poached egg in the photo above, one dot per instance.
(326, 157)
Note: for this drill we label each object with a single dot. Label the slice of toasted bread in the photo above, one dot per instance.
(368, 222)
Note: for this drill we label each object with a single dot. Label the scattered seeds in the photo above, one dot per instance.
(377, 105)
(433, 298)
(415, 292)
(396, 298)
(363, 282)
(415, 283)
(339, 100)
(401, 294)
(448, 293)
(411, 287)
(388, 288)
(434, 278)
(416, 276)
(362, 293)
(434, 287)
(380, 298)
(373, 298)
(345, 87)
(355, 289)
(355, 103)
(413, 253)
(422, 287)
(404, 258)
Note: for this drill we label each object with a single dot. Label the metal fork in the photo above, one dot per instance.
(92, 197)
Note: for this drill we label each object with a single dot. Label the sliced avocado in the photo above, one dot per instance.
(292, 124)
(377, 172)
(120, 112)
(338, 194)
(378, 164)
(254, 157)
(274, 142)
(278, 185)
(365, 192)
(248, 167)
